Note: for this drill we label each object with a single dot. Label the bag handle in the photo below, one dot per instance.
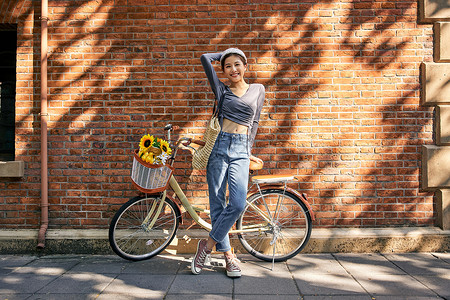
(216, 108)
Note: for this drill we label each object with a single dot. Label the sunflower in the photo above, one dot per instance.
(146, 142)
(148, 157)
(151, 158)
(164, 146)
(141, 152)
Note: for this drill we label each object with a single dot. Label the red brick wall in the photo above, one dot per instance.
(342, 103)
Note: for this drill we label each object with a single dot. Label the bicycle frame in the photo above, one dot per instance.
(192, 210)
(193, 213)
(275, 225)
(152, 209)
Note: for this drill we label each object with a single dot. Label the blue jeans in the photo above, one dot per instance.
(228, 164)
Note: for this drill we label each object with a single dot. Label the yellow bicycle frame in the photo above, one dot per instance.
(152, 209)
(192, 210)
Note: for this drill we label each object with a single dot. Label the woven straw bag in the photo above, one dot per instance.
(201, 155)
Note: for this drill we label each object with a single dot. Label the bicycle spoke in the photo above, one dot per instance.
(258, 243)
(131, 235)
(287, 232)
(132, 246)
(278, 206)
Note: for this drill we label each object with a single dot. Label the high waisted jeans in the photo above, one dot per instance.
(228, 163)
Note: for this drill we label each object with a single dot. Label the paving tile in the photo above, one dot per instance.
(155, 265)
(439, 284)
(327, 284)
(315, 264)
(78, 283)
(125, 296)
(60, 258)
(100, 266)
(268, 297)
(339, 297)
(202, 284)
(45, 266)
(362, 264)
(51, 269)
(397, 297)
(18, 296)
(199, 297)
(63, 296)
(393, 285)
(255, 267)
(265, 285)
(9, 263)
(138, 284)
(258, 278)
(419, 263)
(444, 256)
(23, 283)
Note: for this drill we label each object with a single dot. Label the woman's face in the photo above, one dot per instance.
(234, 68)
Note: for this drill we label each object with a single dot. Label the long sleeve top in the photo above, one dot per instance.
(244, 110)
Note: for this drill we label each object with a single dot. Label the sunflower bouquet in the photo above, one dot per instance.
(154, 150)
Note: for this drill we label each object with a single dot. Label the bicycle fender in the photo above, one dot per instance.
(177, 205)
(302, 197)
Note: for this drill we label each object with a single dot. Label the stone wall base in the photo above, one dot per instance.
(343, 240)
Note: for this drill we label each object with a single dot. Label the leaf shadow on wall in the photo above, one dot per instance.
(122, 71)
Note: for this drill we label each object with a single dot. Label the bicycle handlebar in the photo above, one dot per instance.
(184, 142)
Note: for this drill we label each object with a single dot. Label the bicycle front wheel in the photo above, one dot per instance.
(141, 228)
(283, 225)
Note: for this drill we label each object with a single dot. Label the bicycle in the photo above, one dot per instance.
(275, 225)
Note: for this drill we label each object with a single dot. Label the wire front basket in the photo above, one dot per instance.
(150, 178)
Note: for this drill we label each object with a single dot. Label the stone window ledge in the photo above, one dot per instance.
(12, 168)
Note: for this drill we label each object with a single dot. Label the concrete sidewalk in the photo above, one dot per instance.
(306, 276)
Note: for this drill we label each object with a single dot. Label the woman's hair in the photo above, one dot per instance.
(222, 62)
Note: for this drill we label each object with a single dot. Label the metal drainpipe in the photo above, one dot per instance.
(44, 115)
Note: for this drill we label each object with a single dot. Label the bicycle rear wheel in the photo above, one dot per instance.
(131, 235)
(283, 234)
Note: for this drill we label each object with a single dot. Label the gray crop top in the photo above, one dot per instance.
(244, 110)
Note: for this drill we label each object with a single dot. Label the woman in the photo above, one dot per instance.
(239, 107)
